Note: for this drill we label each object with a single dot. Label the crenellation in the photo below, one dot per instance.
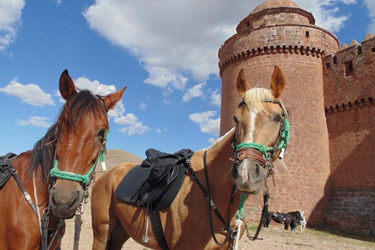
(273, 49)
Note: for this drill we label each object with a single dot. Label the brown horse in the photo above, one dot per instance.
(71, 148)
(258, 137)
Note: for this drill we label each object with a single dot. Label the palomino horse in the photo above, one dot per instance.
(257, 139)
(56, 172)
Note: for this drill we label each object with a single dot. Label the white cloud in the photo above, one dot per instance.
(194, 92)
(206, 124)
(36, 121)
(30, 93)
(97, 88)
(325, 12)
(177, 40)
(216, 98)
(167, 39)
(94, 86)
(143, 105)
(211, 140)
(10, 20)
(158, 130)
(131, 125)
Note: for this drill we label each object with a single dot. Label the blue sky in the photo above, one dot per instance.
(164, 51)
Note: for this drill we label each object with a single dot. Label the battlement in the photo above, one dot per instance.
(349, 73)
(267, 50)
(356, 104)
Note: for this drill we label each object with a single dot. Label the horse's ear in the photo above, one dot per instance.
(241, 84)
(277, 82)
(111, 99)
(67, 87)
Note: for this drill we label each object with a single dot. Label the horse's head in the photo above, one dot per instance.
(81, 132)
(261, 133)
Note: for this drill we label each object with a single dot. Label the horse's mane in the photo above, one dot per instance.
(71, 114)
(256, 96)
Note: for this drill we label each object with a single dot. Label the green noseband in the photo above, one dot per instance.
(85, 179)
(285, 135)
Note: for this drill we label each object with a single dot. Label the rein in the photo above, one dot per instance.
(211, 203)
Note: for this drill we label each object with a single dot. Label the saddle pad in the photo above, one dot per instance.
(129, 188)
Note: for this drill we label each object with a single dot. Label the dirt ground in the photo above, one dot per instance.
(273, 238)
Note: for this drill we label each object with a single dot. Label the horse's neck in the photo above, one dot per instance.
(219, 170)
(36, 186)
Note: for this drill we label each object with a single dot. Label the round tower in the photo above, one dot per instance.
(278, 32)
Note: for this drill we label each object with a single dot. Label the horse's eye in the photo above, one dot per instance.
(101, 134)
(277, 118)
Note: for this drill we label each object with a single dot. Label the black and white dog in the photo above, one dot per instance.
(291, 219)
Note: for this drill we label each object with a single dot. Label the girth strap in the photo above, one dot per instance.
(157, 227)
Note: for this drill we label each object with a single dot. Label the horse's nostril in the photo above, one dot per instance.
(257, 169)
(74, 200)
(53, 201)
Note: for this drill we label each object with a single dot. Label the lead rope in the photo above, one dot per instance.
(240, 219)
(78, 220)
(266, 196)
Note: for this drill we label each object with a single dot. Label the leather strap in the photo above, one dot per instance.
(157, 228)
(251, 153)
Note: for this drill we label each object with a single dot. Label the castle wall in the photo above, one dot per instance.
(299, 185)
(350, 113)
(349, 74)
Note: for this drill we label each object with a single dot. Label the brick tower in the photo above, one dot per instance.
(278, 32)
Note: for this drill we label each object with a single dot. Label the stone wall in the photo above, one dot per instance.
(349, 87)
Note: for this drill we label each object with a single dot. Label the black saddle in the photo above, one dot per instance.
(6, 168)
(157, 181)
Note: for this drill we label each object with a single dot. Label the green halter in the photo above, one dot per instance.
(85, 179)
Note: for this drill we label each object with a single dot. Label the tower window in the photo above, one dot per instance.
(359, 49)
(307, 33)
(328, 65)
(348, 68)
(373, 49)
(371, 100)
(335, 60)
(248, 24)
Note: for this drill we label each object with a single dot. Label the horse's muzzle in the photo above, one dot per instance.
(65, 197)
(248, 171)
